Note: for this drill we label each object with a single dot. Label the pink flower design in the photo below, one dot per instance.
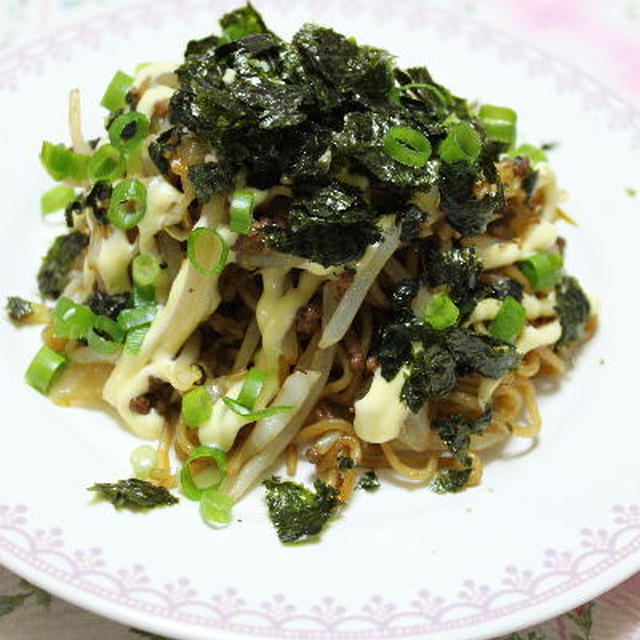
(627, 515)
(135, 576)
(180, 591)
(328, 610)
(597, 540)
(427, 605)
(559, 561)
(474, 593)
(228, 601)
(516, 579)
(88, 560)
(48, 540)
(379, 610)
(12, 516)
(279, 608)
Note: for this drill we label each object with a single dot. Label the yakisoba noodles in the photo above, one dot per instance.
(297, 251)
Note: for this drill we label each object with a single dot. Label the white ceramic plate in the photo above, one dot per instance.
(551, 526)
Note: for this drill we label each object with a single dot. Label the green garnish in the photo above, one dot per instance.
(128, 204)
(542, 269)
(187, 483)
(407, 146)
(56, 198)
(242, 203)
(107, 163)
(61, 163)
(134, 494)
(197, 407)
(19, 309)
(509, 321)
(216, 506)
(462, 144)
(53, 275)
(115, 95)
(128, 131)
(297, 512)
(499, 123)
(44, 369)
(209, 242)
(441, 312)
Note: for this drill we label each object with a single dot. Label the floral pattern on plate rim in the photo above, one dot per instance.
(90, 571)
(59, 45)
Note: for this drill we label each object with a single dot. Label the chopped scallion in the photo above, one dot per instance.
(242, 203)
(535, 154)
(196, 407)
(199, 242)
(72, 321)
(462, 144)
(441, 312)
(44, 368)
(127, 131)
(499, 123)
(115, 95)
(251, 388)
(107, 163)
(135, 338)
(541, 269)
(216, 506)
(62, 163)
(56, 198)
(249, 414)
(105, 325)
(509, 321)
(143, 460)
(187, 483)
(136, 317)
(407, 146)
(128, 204)
(146, 270)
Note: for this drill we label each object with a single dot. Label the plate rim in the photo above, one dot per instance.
(616, 561)
(31, 58)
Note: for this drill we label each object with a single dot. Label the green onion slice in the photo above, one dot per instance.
(535, 154)
(541, 269)
(62, 163)
(56, 198)
(197, 407)
(72, 321)
(462, 144)
(135, 338)
(187, 483)
(107, 163)
(115, 95)
(251, 388)
(127, 131)
(143, 460)
(249, 414)
(216, 506)
(128, 204)
(509, 321)
(441, 312)
(407, 146)
(144, 296)
(146, 269)
(499, 123)
(105, 325)
(205, 246)
(242, 204)
(136, 317)
(44, 368)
